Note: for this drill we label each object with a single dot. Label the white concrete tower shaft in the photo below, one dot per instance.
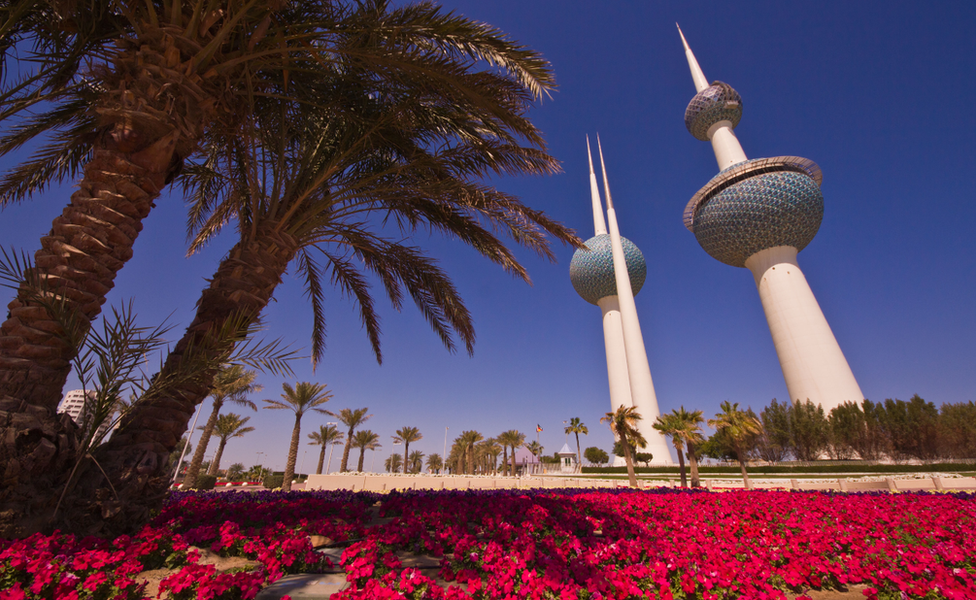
(613, 333)
(643, 397)
(813, 364)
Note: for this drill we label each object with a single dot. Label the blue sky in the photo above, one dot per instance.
(879, 94)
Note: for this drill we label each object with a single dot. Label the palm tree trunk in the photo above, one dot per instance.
(296, 433)
(192, 471)
(505, 460)
(630, 462)
(345, 452)
(318, 471)
(681, 463)
(742, 467)
(406, 447)
(215, 465)
(579, 457)
(693, 461)
(362, 456)
(136, 456)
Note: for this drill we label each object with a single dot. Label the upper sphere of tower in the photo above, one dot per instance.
(718, 102)
(591, 269)
(770, 203)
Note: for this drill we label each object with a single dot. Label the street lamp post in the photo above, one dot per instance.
(331, 447)
(189, 436)
(444, 455)
(302, 467)
(395, 444)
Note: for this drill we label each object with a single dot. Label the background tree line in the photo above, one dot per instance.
(889, 430)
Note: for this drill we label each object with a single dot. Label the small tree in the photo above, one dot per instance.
(302, 398)
(406, 435)
(740, 427)
(228, 426)
(623, 425)
(435, 463)
(577, 427)
(596, 456)
(235, 472)
(393, 463)
(683, 429)
(416, 460)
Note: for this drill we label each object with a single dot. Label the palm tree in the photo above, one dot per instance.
(623, 424)
(491, 449)
(393, 464)
(683, 429)
(351, 419)
(365, 440)
(535, 448)
(514, 440)
(435, 463)
(302, 398)
(228, 426)
(326, 435)
(740, 426)
(416, 461)
(468, 439)
(398, 122)
(407, 435)
(233, 384)
(577, 427)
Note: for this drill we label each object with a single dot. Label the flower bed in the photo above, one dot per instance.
(504, 544)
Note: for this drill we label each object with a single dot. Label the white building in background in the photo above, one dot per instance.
(759, 214)
(607, 273)
(73, 404)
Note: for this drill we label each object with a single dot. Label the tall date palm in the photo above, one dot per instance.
(302, 398)
(351, 418)
(683, 429)
(576, 427)
(740, 426)
(623, 425)
(228, 426)
(407, 435)
(325, 436)
(364, 440)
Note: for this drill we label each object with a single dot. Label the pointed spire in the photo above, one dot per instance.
(599, 224)
(606, 185)
(696, 72)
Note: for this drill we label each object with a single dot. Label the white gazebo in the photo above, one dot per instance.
(567, 460)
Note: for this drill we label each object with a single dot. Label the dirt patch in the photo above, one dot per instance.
(221, 563)
(853, 592)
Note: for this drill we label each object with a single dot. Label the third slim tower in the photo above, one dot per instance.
(758, 214)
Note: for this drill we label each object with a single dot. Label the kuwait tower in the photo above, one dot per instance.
(607, 273)
(758, 214)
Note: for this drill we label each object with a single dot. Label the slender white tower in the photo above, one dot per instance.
(608, 273)
(758, 214)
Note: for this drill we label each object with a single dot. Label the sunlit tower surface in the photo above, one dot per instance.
(759, 214)
(608, 273)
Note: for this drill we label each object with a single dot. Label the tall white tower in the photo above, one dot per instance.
(758, 214)
(608, 273)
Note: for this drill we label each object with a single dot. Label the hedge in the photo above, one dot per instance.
(788, 469)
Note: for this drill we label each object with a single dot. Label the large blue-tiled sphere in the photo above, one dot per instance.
(717, 102)
(781, 208)
(591, 270)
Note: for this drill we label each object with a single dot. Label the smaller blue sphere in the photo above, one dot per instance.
(591, 269)
(718, 102)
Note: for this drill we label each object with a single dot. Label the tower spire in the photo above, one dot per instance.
(599, 224)
(696, 73)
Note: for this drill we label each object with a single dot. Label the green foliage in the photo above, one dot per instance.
(435, 463)
(774, 443)
(596, 456)
(394, 463)
(205, 482)
(643, 458)
(273, 481)
(809, 431)
(235, 472)
(957, 430)
(822, 467)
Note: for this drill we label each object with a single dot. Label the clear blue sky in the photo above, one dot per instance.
(879, 94)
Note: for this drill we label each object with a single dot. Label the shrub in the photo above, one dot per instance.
(273, 481)
(206, 482)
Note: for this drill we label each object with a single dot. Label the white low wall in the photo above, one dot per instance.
(386, 483)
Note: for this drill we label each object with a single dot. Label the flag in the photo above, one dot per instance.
(538, 428)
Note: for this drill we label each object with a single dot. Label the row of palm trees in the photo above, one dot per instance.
(684, 429)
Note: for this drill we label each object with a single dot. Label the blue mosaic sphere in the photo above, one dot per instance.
(717, 102)
(764, 210)
(591, 269)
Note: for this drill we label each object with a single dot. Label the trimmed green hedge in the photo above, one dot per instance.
(206, 482)
(787, 469)
(273, 481)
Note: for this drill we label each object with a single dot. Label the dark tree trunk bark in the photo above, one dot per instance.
(362, 456)
(631, 476)
(693, 461)
(681, 465)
